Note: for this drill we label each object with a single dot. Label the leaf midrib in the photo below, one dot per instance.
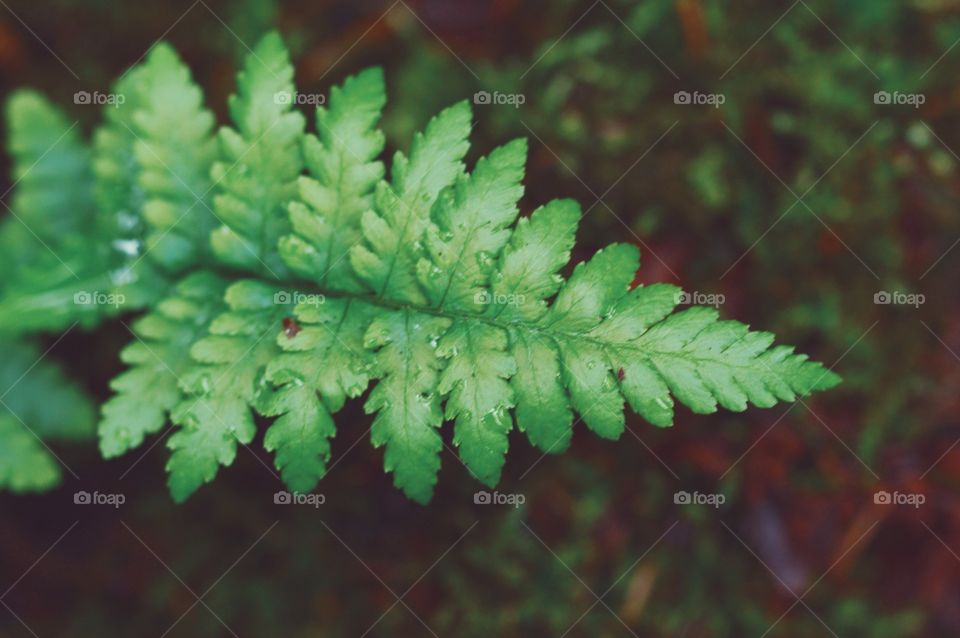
(557, 335)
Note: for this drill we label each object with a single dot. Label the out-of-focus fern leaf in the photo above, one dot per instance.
(37, 391)
(25, 465)
(43, 246)
(80, 277)
(174, 148)
(38, 405)
(47, 150)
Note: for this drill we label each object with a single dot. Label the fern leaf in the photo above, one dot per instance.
(300, 437)
(394, 229)
(227, 380)
(25, 465)
(581, 303)
(38, 392)
(46, 149)
(475, 381)
(527, 277)
(75, 269)
(542, 411)
(341, 161)
(117, 189)
(158, 357)
(174, 148)
(426, 287)
(472, 222)
(324, 364)
(406, 400)
(260, 163)
(471, 225)
(43, 248)
(38, 404)
(326, 361)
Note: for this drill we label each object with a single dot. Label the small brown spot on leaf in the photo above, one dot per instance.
(290, 327)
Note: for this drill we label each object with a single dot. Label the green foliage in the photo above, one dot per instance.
(222, 386)
(88, 264)
(39, 247)
(159, 356)
(343, 169)
(37, 404)
(259, 162)
(429, 287)
(174, 148)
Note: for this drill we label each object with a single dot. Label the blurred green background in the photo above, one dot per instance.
(794, 202)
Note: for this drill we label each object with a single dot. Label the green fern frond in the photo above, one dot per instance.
(94, 249)
(260, 161)
(46, 149)
(428, 292)
(223, 386)
(38, 405)
(323, 364)
(174, 149)
(25, 465)
(393, 230)
(159, 357)
(41, 245)
(343, 169)
(119, 195)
